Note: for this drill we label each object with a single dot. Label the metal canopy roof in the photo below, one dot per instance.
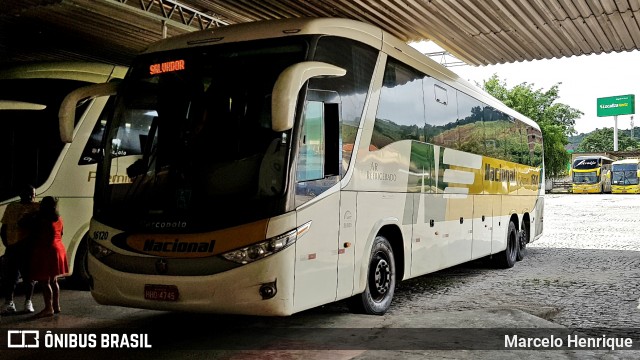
(478, 32)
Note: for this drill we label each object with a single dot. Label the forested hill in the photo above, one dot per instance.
(575, 140)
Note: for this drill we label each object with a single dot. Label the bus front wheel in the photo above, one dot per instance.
(80, 275)
(381, 281)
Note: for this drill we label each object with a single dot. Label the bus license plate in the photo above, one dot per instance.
(161, 292)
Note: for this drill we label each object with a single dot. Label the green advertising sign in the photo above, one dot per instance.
(617, 105)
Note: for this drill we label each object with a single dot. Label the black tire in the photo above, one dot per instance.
(523, 240)
(507, 258)
(381, 281)
(80, 277)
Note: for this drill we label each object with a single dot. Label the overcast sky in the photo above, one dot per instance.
(584, 79)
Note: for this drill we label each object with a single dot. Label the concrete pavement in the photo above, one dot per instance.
(322, 333)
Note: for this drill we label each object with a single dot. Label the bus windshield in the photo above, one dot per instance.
(29, 136)
(205, 137)
(585, 177)
(624, 174)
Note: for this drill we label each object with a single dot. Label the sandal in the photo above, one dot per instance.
(43, 314)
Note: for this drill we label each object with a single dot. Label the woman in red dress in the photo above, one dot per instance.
(49, 254)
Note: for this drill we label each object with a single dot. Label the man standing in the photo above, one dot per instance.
(17, 254)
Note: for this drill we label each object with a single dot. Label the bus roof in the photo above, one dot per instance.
(582, 157)
(627, 161)
(366, 33)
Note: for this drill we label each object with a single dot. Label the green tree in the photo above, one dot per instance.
(601, 140)
(556, 120)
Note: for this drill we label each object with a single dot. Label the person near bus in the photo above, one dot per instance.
(49, 256)
(16, 238)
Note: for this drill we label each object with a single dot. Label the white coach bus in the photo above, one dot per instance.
(271, 167)
(34, 153)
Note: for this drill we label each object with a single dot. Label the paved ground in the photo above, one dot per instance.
(582, 274)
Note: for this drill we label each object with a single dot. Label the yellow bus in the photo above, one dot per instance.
(624, 176)
(590, 174)
(288, 164)
(34, 153)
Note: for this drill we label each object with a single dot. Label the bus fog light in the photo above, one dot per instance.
(268, 290)
(99, 251)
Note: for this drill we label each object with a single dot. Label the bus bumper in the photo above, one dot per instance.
(633, 189)
(237, 291)
(587, 189)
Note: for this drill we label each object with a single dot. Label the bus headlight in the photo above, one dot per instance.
(266, 248)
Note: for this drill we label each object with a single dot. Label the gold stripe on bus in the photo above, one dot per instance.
(200, 244)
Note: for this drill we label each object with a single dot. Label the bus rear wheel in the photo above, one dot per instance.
(507, 258)
(381, 281)
(523, 239)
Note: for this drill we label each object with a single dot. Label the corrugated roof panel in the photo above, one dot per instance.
(564, 27)
(460, 16)
(551, 27)
(376, 15)
(522, 51)
(573, 8)
(584, 33)
(597, 30)
(634, 30)
(580, 34)
(466, 48)
(406, 16)
(610, 28)
(608, 6)
(512, 46)
(507, 51)
(266, 10)
(528, 21)
(477, 32)
(630, 27)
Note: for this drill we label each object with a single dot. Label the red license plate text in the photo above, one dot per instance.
(161, 292)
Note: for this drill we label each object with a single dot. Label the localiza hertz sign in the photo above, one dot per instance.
(617, 105)
(36, 339)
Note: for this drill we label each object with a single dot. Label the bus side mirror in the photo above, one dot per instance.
(288, 85)
(67, 112)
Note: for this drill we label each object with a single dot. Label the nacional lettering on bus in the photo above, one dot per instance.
(499, 174)
(176, 245)
(517, 176)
